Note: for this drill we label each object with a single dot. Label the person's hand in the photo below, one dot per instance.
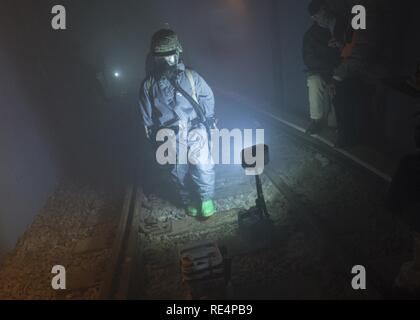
(212, 122)
(332, 89)
(150, 135)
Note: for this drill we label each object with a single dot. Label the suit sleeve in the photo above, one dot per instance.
(145, 104)
(205, 95)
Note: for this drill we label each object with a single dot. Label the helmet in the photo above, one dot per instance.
(165, 43)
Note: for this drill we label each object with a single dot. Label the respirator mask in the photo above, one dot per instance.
(167, 65)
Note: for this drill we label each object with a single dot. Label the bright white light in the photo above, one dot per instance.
(116, 74)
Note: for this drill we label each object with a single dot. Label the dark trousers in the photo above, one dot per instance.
(351, 105)
(404, 192)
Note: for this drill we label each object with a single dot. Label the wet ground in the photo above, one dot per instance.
(75, 229)
(326, 219)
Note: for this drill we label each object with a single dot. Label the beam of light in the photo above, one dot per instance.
(116, 74)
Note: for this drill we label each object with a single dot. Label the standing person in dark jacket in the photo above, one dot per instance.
(322, 45)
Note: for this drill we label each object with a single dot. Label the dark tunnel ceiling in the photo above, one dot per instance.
(116, 34)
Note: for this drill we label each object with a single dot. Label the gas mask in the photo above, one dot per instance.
(167, 65)
(172, 60)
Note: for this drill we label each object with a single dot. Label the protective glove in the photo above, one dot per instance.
(212, 122)
(148, 132)
(333, 43)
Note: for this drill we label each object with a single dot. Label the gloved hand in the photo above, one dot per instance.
(152, 144)
(148, 132)
(212, 122)
(151, 136)
(333, 43)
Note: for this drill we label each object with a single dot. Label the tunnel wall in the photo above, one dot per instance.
(55, 124)
(291, 23)
(28, 168)
(28, 172)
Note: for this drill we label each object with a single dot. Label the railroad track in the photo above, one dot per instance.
(123, 257)
(345, 253)
(85, 230)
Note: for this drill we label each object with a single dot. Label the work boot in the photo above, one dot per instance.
(207, 208)
(191, 210)
(314, 127)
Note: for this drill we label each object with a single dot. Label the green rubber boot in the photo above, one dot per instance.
(207, 208)
(191, 211)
